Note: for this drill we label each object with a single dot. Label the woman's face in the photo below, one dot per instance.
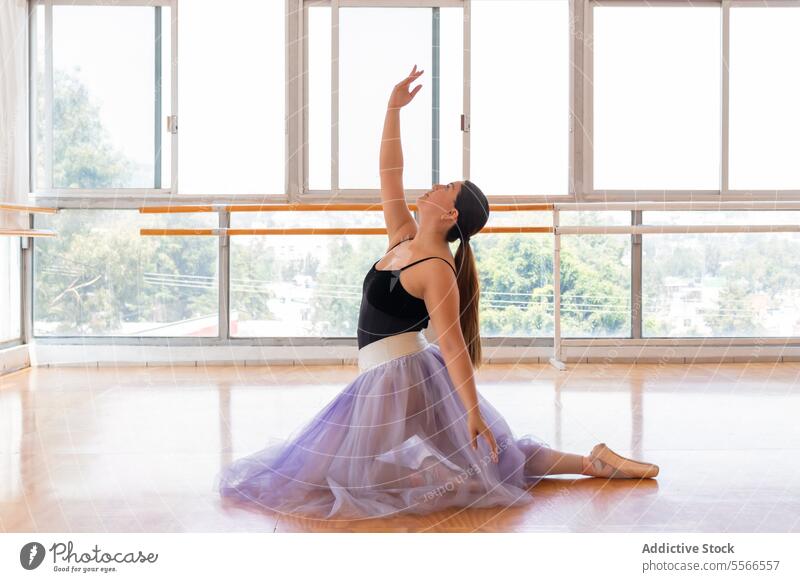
(440, 200)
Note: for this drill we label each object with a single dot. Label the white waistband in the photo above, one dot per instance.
(389, 348)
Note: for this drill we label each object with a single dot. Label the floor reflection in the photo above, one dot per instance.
(136, 449)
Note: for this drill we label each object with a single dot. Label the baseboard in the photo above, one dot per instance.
(238, 355)
(13, 359)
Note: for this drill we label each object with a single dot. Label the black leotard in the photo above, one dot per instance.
(387, 308)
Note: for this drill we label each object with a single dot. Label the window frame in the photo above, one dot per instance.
(579, 169)
(724, 193)
(307, 195)
(48, 194)
(296, 190)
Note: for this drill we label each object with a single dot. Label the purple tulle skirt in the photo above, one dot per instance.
(394, 441)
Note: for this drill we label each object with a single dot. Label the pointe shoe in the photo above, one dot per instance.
(603, 462)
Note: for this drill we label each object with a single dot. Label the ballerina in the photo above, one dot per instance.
(411, 434)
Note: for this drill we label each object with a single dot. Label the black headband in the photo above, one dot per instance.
(473, 210)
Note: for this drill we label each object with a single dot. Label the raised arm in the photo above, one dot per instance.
(400, 223)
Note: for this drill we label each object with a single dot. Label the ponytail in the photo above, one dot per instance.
(473, 213)
(469, 293)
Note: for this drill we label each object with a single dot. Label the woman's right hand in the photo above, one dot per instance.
(400, 95)
(477, 427)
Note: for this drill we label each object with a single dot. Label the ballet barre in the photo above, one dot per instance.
(26, 232)
(672, 206)
(31, 209)
(361, 207)
(556, 229)
(38, 233)
(677, 229)
(306, 231)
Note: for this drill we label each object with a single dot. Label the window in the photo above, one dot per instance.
(764, 92)
(101, 88)
(510, 152)
(519, 121)
(370, 40)
(595, 278)
(301, 286)
(724, 285)
(99, 277)
(103, 81)
(231, 79)
(656, 97)
(516, 278)
(370, 64)
(318, 132)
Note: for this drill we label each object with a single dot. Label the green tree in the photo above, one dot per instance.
(83, 156)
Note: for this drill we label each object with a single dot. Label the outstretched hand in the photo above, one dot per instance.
(400, 94)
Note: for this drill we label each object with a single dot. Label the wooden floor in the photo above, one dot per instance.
(135, 449)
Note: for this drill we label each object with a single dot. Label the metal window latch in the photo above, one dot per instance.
(172, 124)
(464, 122)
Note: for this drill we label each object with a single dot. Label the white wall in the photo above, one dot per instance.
(9, 288)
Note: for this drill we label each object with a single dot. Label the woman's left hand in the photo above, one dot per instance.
(476, 426)
(400, 95)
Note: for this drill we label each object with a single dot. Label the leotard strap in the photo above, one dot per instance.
(394, 245)
(425, 259)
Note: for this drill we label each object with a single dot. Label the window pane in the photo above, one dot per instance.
(595, 278)
(520, 96)
(298, 285)
(307, 286)
(764, 92)
(378, 48)
(9, 288)
(165, 140)
(451, 94)
(363, 99)
(99, 277)
(319, 98)
(311, 285)
(729, 285)
(232, 97)
(516, 277)
(40, 178)
(104, 87)
(656, 97)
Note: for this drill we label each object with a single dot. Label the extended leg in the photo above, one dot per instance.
(546, 461)
(600, 462)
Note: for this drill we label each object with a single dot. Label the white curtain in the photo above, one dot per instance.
(13, 110)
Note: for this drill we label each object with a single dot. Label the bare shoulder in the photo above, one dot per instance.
(439, 291)
(431, 276)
